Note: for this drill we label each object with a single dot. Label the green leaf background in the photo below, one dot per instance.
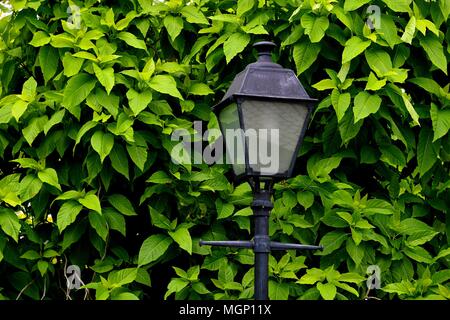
(87, 179)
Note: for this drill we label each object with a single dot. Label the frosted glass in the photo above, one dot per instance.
(229, 121)
(286, 119)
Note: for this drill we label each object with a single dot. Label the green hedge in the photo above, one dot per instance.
(91, 95)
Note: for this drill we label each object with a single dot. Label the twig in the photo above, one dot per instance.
(23, 289)
(45, 288)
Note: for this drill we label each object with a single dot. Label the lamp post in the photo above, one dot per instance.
(264, 98)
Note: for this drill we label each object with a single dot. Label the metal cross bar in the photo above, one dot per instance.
(261, 244)
(233, 244)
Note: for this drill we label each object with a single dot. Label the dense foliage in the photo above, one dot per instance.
(91, 92)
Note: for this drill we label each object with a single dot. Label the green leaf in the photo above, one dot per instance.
(200, 288)
(138, 155)
(91, 202)
(34, 128)
(119, 160)
(19, 108)
(442, 254)
(399, 288)
(72, 65)
(67, 214)
(105, 77)
(9, 223)
(327, 290)
(410, 28)
(410, 108)
(31, 255)
(312, 276)
(119, 278)
(48, 60)
(69, 195)
(139, 101)
(50, 177)
(143, 277)
(278, 290)
(300, 222)
(122, 204)
(426, 152)
(315, 26)
(224, 210)
(153, 248)
(183, 238)
(325, 84)
(200, 89)
(165, 84)
(76, 91)
(418, 254)
(353, 48)
(289, 199)
(341, 102)
(441, 121)
(305, 198)
(173, 25)
(393, 156)
(399, 5)
(28, 163)
(244, 212)
(365, 105)
(410, 226)
(29, 187)
(348, 129)
(115, 220)
(351, 277)
(159, 177)
(235, 44)
(175, 285)
(305, 54)
(193, 15)
(435, 51)
(128, 296)
(159, 220)
(379, 61)
(161, 108)
(29, 89)
(42, 267)
(244, 6)
(388, 30)
(351, 5)
(40, 39)
(99, 223)
(83, 130)
(356, 252)
(102, 143)
(374, 84)
(427, 84)
(55, 119)
(320, 170)
(346, 287)
(332, 241)
(132, 40)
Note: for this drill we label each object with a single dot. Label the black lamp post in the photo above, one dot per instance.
(263, 98)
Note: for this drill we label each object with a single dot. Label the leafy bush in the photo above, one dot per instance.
(91, 92)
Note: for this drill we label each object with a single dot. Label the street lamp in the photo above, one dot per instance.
(263, 117)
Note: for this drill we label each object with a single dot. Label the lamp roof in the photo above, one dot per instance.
(266, 79)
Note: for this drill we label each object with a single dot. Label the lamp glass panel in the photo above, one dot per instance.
(234, 138)
(272, 130)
